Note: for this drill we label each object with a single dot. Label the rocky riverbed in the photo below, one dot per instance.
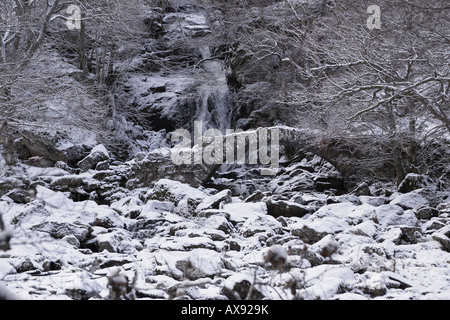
(105, 232)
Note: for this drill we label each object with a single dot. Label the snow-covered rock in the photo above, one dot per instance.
(391, 214)
(286, 209)
(312, 231)
(240, 212)
(119, 240)
(97, 155)
(240, 287)
(267, 225)
(443, 237)
(410, 200)
(173, 191)
(325, 281)
(413, 181)
(202, 263)
(59, 230)
(216, 201)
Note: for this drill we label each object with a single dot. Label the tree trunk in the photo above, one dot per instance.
(82, 49)
(398, 163)
(396, 147)
(413, 144)
(7, 141)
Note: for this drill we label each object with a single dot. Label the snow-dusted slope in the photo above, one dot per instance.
(175, 241)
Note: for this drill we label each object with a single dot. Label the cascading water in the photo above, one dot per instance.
(215, 104)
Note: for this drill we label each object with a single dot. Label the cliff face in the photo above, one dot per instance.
(178, 79)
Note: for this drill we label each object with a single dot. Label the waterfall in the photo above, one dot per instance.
(215, 105)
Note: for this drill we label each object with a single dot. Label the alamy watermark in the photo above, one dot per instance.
(374, 20)
(73, 21)
(211, 147)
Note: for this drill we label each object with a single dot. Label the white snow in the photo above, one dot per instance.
(391, 214)
(240, 212)
(100, 149)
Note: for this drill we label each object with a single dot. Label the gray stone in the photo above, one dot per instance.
(426, 213)
(108, 219)
(257, 196)
(362, 190)
(443, 237)
(174, 191)
(216, 201)
(412, 182)
(97, 155)
(283, 208)
(313, 231)
(443, 207)
(60, 230)
(410, 200)
(239, 287)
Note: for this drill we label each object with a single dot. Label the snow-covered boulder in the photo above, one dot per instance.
(444, 207)
(174, 191)
(59, 230)
(391, 215)
(312, 231)
(202, 263)
(410, 200)
(261, 224)
(325, 281)
(346, 211)
(286, 209)
(118, 240)
(414, 181)
(238, 286)
(443, 237)
(97, 155)
(215, 201)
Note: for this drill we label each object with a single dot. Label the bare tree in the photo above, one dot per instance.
(381, 96)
